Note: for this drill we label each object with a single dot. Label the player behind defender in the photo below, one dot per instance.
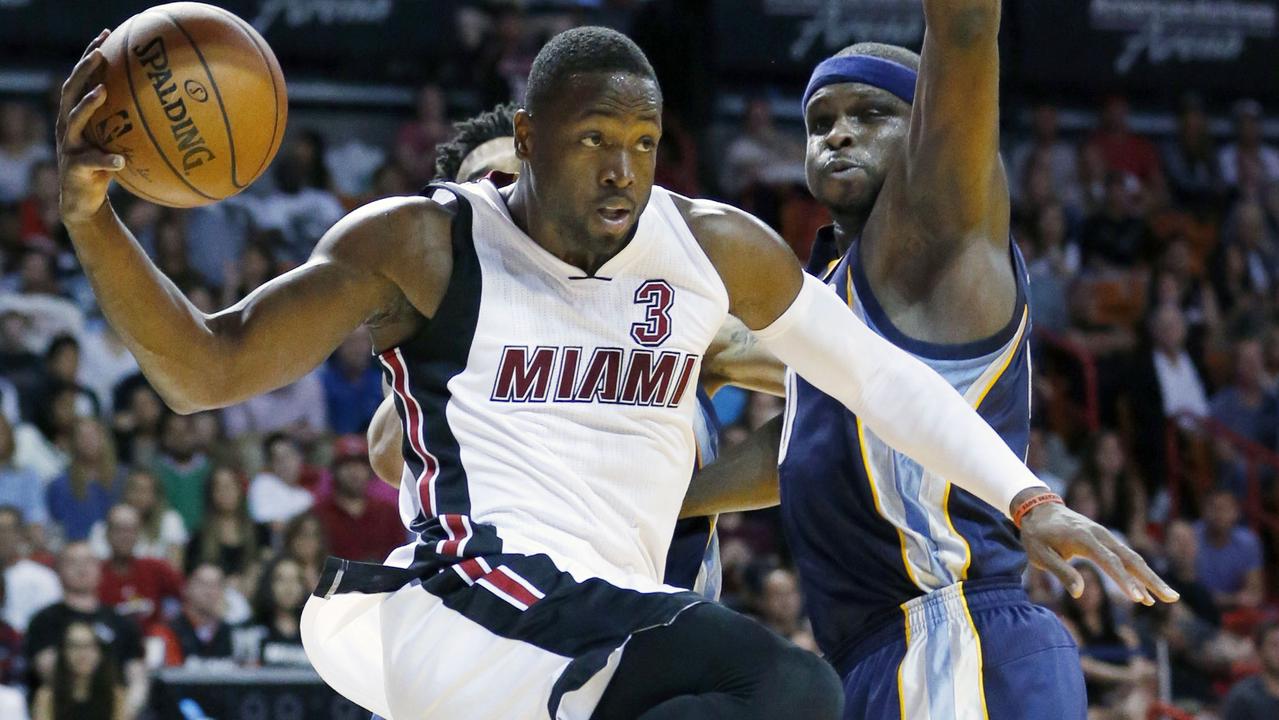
(541, 341)
(484, 146)
(912, 585)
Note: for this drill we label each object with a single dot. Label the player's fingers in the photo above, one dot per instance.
(1139, 569)
(79, 116)
(92, 160)
(1096, 550)
(96, 42)
(1066, 574)
(73, 88)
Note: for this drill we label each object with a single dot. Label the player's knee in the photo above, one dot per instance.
(807, 687)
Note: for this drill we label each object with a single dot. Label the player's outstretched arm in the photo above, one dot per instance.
(275, 335)
(954, 179)
(800, 320)
(743, 477)
(386, 435)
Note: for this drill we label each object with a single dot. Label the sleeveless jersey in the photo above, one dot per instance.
(550, 412)
(871, 529)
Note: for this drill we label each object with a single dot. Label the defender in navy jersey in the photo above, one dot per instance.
(912, 584)
(542, 516)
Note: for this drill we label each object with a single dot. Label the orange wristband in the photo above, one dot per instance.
(1040, 499)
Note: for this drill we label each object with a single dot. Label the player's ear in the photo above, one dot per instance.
(523, 133)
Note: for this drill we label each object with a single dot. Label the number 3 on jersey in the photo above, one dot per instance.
(657, 296)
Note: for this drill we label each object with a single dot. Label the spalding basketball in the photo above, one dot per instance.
(195, 104)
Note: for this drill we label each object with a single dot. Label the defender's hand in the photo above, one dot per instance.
(84, 171)
(1053, 534)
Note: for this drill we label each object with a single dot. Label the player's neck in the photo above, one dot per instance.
(848, 226)
(588, 257)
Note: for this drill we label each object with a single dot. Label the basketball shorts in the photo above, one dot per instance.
(970, 651)
(501, 636)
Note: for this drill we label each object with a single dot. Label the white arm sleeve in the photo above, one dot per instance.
(903, 400)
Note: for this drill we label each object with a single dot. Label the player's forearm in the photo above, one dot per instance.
(963, 22)
(743, 478)
(895, 395)
(163, 330)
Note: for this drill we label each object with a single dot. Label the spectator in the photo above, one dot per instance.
(20, 487)
(1163, 384)
(1122, 150)
(62, 366)
(144, 590)
(105, 361)
(760, 154)
(389, 181)
(305, 543)
(1116, 676)
(780, 606)
(1257, 697)
(677, 162)
(1190, 159)
(171, 255)
(13, 704)
(1052, 263)
(1115, 238)
(182, 468)
(1230, 562)
(352, 384)
(277, 608)
(20, 150)
(80, 574)
(257, 264)
(91, 485)
(300, 209)
(298, 408)
(415, 142)
(85, 684)
(34, 585)
(358, 526)
(1249, 405)
(136, 423)
(162, 536)
(12, 669)
(200, 632)
(1248, 149)
(1121, 496)
(276, 494)
(1046, 148)
(1251, 258)
(1181, 544)
(1038, 460)
(40, 223)
(229, 538)
(1180, 281)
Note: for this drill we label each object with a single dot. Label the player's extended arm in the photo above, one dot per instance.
(957, 186)
(385, 438)
(736, 358)
(743, 477)
(275, 335)
(808, 327)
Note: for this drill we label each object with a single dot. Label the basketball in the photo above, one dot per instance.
(196, 104)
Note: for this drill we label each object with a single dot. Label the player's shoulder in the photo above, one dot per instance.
(724, 231)
(392, 229)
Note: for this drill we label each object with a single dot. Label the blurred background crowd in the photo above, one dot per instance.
(132, 538)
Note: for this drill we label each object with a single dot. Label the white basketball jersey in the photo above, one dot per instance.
(564, 427)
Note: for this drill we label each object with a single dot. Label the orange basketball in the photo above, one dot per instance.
(195, 103)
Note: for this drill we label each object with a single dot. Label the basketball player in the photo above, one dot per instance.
(913, 586)
(484, 146)
(541, 340)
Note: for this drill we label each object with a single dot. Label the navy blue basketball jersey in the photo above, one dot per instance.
(693, 560)
(870, 528)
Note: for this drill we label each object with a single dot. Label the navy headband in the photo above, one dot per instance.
(883, 74)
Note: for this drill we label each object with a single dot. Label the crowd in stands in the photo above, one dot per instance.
(133, 538)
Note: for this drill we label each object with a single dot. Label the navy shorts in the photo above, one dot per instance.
(970, 651)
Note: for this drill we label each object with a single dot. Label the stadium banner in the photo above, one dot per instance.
(354, 39)
(1146, 46)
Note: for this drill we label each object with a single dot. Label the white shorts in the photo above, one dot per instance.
(503, 636)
